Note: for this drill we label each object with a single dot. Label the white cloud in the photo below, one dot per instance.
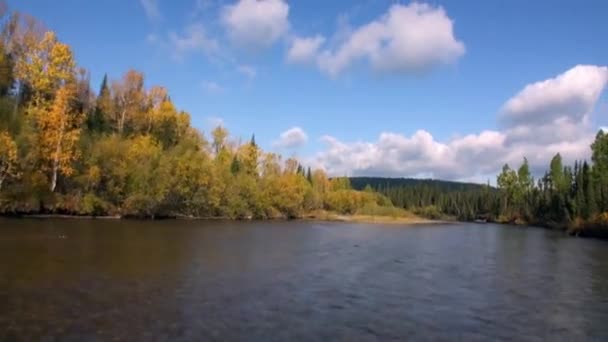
(419, 155)
(555, 110)
(256, 23)
(412, 38)
(304, 50)
(193, 39)
(151, 9)
(565, 104)
(570, 96)
(292, 138)
(211, 87)
(604, 128)
(248, 71)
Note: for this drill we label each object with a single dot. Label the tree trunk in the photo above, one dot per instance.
(56, 159)
(17, 99)
(121, 122)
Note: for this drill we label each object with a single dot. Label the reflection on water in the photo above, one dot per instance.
(175, 280)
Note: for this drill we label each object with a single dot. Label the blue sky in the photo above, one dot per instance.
(397, 109)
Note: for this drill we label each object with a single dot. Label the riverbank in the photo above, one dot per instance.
(408, 218)
(595, 228)
(320, 215)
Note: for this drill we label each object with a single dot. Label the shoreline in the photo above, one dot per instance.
(322, 217)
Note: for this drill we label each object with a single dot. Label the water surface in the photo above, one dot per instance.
(176, 280)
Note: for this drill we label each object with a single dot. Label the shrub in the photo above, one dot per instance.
(602, 220)
(431, 212)
(95, 206)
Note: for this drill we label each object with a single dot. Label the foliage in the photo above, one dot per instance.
(129, 151)
(8, 158)
(564, 197)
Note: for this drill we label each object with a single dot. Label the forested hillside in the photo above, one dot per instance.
(574, 197)
(359, 183)
(127, 150)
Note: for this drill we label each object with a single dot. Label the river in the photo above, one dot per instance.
(96, 280)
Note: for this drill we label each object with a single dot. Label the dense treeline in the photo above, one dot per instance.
(574, 197)
(434, 198)
(127, 150)
(360, 183)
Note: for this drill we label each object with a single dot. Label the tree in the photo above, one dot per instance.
(235, 166)
(507, 183)
(249, 155)
(8, 158)
(590, 206)
(98, 121)
(599, 157)
(219, 135)
(46, 66)
(58, 130)
(129, 100)
(7, 79)
(556, 173)
(525, 184)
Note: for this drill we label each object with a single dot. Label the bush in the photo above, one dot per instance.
(140, 206)
(430, 212)
(95, 206)
(372, 209)
(602, 220)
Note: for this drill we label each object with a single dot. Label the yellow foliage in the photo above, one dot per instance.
(129, 98)
(58, 132)
(46, 65)
(602, 219)
(8, 158)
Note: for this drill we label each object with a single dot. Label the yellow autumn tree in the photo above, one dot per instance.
(58, 129)
(45, 66)
(130, 100)
(8, 158)
(156, 97)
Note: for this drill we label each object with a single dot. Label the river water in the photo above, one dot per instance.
(96, 280)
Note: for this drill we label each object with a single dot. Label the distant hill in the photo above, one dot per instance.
(380, 183)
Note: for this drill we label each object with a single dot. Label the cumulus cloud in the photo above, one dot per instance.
(151, 9)
(292, 138)
(256, 23)
(411, 38)
(193, 39)
(556, 110)
(419, 155)
(565, 104)
(567, 99)
(304, 50)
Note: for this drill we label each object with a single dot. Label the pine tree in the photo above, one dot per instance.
(599, 157)
(590, 207)
(235, 166)
(97, 121)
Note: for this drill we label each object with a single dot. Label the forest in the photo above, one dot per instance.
(126, 150)
(565, 197)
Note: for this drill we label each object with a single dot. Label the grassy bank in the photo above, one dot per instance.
(398, 216)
